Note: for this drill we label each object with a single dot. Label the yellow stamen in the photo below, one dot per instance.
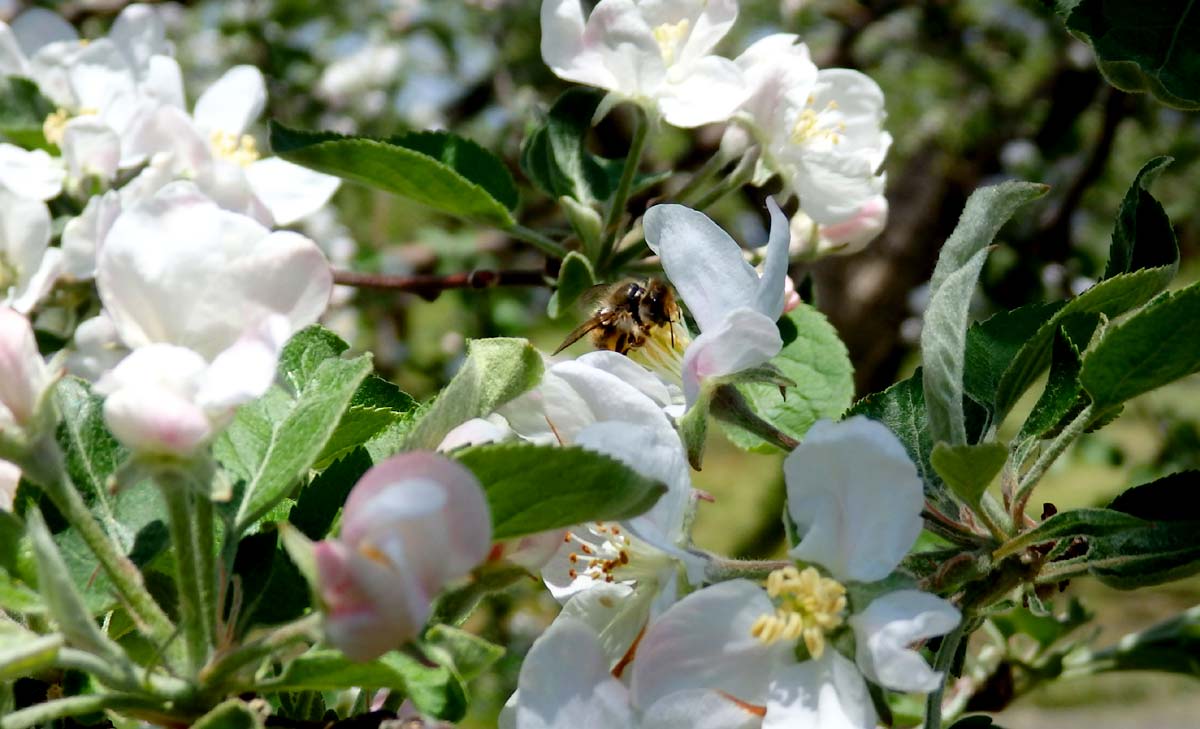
(240, 150)
(808, 606)
(669, 37)
(813, 125)
(55, 126)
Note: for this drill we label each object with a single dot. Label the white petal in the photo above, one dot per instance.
(169, 131)
(744, 338)
(825, 694)
(860, 103)
(704, 264)
(50, 68)
(704, 642)
(631, 372)
(82, 234)
(564, 48)
(30, 173)
(701, 709)
(39, 27)
(149, 405)
(91, 149)
(97, 348)
(565, 683)
(710, 91)
(24, 232)
(138, 31)
(855, 496)
(289, 191)
(233, 102)
(475, 431)
(33, 289)
(10, 477)
(163, 82)
(774, 66)
(616, 613)
(708, 22)
(25, 373)
(771, 286)
(892, 623)
(104, 83)
(12, 59)
(245, 370)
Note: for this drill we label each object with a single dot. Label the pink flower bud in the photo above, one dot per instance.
(412, 524)
(23, 373)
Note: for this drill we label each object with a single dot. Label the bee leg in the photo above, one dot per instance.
(622, 343)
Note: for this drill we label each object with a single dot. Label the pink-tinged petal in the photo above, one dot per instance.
(745, 338)
(233, 102)
(888, 627)
(703, 263)
(565, 683)
(855, 497)
(289, 191)
(31, 174)
(710, 90)
(150, 404)
(702, 709)
(826, 694)
(10, 477)
(25, 375)
(704, 642)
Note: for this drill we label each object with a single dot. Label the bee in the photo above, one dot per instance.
(627, 315)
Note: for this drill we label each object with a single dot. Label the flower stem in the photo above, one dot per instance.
(701, 176)
(537, 240)
(205, 563)
(632, 161)
(721, 569)
(215, 675)
(179, 518)
(942, 663)
(46, 712)
(740, 176)
(1051, 453)
(50, 473)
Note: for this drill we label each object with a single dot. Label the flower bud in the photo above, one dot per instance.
(412, 524)
(25, 376)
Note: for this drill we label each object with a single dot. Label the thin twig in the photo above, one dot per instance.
(430, 285)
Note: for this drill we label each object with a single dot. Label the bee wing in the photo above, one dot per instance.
(579, 331)
(594, 295)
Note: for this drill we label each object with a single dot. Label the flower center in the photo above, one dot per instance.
(807, 606)
(55, 126)
(241, 150)
(663, 348)
(669, 37)
(619, 557)
(825, 125)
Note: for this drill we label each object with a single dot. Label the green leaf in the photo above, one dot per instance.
(23, 111)
(92, 453)
(943, 337)
(574, 277)
(231, 714)
(25, 653)
(534, 488)
(17, 598)
(1062, 392)
(1152, 348)
(320, 501)
(1171, 645)
(555, 156)
(437, 169)
(992, 344)
(1151, 554)
(496, 370)
(433, 689)
(1170, 498)
(1074, 523)
(1045, 629)
(1150, 47)
(1144, 257)
(453, 607)
(304, 353)
(468, 654)
(969, 469)
(377, 405)
(297, 440)
(816, 360)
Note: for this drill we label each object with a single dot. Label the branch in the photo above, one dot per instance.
(430, 285)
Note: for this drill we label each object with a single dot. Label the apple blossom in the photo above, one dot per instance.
(10, 478)
(28, 265)
(654, 53)
(210, 296)
(212, 147)
(810, 239)
(734, 307)
(25, 376)
(412, 524)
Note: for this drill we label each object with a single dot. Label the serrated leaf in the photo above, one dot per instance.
(815, 359)
(1153, 347)
(534, 488)
(575, 276)
(969, 469)
(992, 344)
(377, 405)
(1148, 47)
(1144, 257)
(943, 336)
(23, 111)
(433, 689)
(468, 654)
(495, 371)
(1062, 391)
(92, 453)
(438, 169)
(298, 439)
(320, 501)
(555, 156)
(1074, 523)
(305, 352)
(1151, 554)
(231, 714)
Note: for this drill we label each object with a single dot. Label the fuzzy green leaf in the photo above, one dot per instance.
(575, 276)
(969, 469)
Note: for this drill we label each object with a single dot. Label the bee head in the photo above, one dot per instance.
(657, 303)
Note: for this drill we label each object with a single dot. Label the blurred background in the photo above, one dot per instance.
(977, 91)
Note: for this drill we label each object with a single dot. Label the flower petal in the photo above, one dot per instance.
(82, 234)
(704, 264)
(615, 613)
(743, 339)
(825, 694)
(289, 191)
(701, 709)
(25, 374)
(12, 59)
(246, 369)
(564, 49)
(38, 27)
(704, 641)
(139, 32)
(710, 91)
(233, 102)
(91, 149)
(886, 629)
(772, 286)
(10, 477)
(855, 496)
(30, 173)
(565, 683)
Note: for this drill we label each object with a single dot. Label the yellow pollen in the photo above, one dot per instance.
(810, 124)
(55, 126)
(807, 607)
(240, 150)
(662, 351)
(669, 36)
